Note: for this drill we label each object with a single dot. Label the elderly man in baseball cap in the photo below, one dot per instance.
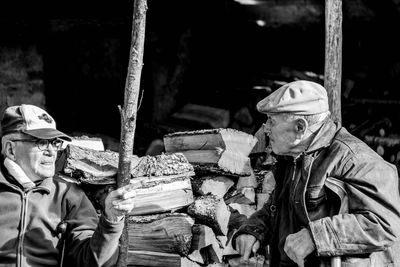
(41, 215)
(334, 196)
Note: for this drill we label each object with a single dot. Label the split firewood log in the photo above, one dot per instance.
(226, 148)
(88, 165)
(262, 141)
(161, 165)
(217, 185)
(245, 195)
(211, 211)
(100, 167)
(262, 198)
(206, 248)
(244, 209)
(161, 194)
(267, 186)
(247, 181)
(167, 232)
(185, 262)
(227, 244)
(95, 143)
(253, 262)
(218, 265)
(140, 258)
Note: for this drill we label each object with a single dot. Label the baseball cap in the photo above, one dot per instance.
(299, 97)
(31, 120)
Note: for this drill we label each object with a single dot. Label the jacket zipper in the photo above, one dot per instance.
(294, 169)
(24, 208)
(293, 177)
(304, 191)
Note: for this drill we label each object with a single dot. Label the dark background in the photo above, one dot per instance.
(205, 52)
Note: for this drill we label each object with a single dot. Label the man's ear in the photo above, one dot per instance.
(10, 150)
(301, 127)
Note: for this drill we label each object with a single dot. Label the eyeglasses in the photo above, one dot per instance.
(43, 144)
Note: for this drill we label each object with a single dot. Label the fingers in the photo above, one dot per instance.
(299, 245)
(244, 245)
(129, 194)
(288, 249)
(246, 254)
(256, 247)
(123, 202)
(124, 208)
(125, 192)
(120, 201)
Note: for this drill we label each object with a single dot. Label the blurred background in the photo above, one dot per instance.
(206, 64)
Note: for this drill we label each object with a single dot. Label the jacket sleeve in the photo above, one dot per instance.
(257, 225)
(91, 240)
(372, 222)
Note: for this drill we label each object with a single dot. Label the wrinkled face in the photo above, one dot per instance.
(281, 133)
(37, 164)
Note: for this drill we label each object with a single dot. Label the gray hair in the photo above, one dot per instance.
(8, 137)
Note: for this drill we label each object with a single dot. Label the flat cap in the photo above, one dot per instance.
(298, 97)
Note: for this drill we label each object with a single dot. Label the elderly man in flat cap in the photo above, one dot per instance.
(334, 195)
(41, 215)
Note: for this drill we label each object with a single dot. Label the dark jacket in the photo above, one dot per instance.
(344, 193)
(29, 220)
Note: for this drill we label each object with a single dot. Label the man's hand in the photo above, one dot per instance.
(299, 245)
(119, 202)
(245, 244)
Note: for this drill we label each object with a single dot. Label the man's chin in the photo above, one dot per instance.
(46, 174)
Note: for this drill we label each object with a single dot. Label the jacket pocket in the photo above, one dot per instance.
(315, 196)
(338, 187)
(356, 262)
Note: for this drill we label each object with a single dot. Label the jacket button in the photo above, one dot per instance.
(61, 227)
(272, 208)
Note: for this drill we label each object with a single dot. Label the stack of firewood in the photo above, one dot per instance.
(226, 190)
(190, 199)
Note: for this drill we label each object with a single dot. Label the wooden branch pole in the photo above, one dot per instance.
(333, 66)
(333, 55)
(129, 110)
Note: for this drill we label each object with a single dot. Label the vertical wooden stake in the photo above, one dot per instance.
(333, 66)
(333, 55)
(129, 110)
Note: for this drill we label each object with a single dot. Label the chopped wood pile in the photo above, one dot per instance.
(219, 150)
(190, 199)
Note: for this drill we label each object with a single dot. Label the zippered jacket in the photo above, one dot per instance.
(29, 221)
(344, 193)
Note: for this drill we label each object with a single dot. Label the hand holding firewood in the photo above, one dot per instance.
(119, 202)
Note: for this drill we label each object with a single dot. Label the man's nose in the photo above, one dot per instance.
(51, 150)
(267, 128)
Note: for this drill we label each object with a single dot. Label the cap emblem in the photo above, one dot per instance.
(45, 117)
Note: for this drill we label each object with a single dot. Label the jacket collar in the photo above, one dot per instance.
(324, 136)
(322, 139)
(45, 185)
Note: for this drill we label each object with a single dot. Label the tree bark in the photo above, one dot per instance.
(129, 110)
(333, 65)
(333, 55)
